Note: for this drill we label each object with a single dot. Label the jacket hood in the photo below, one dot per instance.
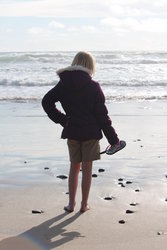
(74, 77)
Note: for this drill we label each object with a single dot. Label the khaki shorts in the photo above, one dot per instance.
(83, 151)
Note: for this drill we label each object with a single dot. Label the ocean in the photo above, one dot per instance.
(27, 76)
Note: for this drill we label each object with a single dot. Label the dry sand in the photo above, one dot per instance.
(28, 146)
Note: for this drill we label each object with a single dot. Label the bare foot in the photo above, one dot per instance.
(69, 208)
(84, 208)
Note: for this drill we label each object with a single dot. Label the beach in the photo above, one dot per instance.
(128, 200)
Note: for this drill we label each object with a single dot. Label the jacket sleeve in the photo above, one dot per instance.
(48, 104)
(103, 119)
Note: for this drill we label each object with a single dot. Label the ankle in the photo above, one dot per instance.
(72, 204)
(84, 207)
(84, 204)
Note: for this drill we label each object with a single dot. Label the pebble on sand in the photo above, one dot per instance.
(161, 233)
(120, 179)
(129, 212)
(37, 211)
(101, 170)
(137, 190)
(136, 140)
(94, 175)
(129, 182)
(108, 198)
(62, 177)
(133, 204)
(121, 221)
(121, 184)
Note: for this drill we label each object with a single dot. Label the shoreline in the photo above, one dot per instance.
(30, 141)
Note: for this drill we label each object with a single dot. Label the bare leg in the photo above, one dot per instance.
(73, 184)
(86, 183)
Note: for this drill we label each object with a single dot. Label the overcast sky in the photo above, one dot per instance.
(45, 25)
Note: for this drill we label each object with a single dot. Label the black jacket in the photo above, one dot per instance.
(83, 101)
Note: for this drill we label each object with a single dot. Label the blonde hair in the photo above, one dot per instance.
(86, 60)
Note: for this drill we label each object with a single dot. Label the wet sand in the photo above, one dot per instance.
(128, 200)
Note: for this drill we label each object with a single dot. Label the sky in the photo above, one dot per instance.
(65, 25)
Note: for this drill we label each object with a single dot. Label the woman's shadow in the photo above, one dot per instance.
(45, 236)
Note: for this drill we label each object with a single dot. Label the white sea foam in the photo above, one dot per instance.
(122, 75)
